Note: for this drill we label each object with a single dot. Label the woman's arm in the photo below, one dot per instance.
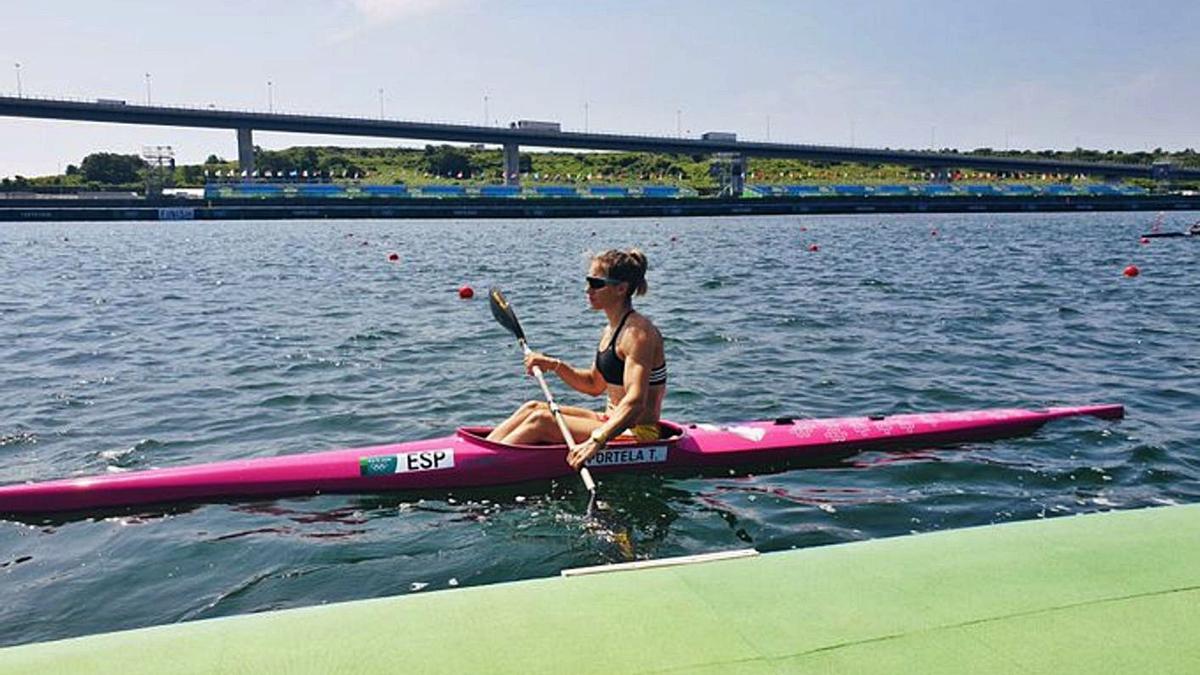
(584, 381)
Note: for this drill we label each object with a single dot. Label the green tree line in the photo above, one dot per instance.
(450, 164)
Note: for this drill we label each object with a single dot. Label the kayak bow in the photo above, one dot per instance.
(468, 459)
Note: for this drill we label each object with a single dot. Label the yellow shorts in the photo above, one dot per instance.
(645, 433)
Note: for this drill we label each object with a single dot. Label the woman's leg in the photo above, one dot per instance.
(540, 426)
(528, 408)
(505, 428)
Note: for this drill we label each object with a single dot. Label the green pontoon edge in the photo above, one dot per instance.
(1109, 592)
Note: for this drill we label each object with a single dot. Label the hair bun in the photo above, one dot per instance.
(628, 266)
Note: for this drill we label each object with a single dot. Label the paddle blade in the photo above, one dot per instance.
(504, 313)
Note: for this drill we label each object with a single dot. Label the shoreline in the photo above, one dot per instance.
(168, 209)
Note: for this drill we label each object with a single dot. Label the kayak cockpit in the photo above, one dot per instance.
(671, 434)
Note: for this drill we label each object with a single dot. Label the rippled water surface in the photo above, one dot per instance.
(128, 346)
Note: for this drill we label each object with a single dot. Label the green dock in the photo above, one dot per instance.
(1115, 592)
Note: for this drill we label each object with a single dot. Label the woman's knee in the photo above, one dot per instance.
(531, 406)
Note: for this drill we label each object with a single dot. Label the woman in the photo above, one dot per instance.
(630, 367)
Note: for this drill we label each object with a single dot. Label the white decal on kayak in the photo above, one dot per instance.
(835, 432)
(407, 462)
(859, 427)
(652, 454)
(804, 428)
(749, 433)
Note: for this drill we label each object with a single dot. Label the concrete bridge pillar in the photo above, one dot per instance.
(512, 164)
(737, 178)
(245, 150)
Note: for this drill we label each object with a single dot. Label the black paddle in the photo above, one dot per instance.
(508, 318)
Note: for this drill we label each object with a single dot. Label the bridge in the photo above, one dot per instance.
(244, 123)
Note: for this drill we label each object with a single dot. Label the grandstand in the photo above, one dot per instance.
(442, 191)
(377, 191)
(255, 190)
(660, 192)
(607, 191)
(851, 190)
(501, 191)
(893, 190)
(555, 191)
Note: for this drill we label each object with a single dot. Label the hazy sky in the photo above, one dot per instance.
(963, 74)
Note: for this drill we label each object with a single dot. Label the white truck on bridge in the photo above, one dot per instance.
(536, 125)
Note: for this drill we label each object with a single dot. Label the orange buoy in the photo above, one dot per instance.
(1132, 271)
(466, 292)
(394, 257)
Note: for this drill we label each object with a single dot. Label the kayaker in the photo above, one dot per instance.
(630, 368)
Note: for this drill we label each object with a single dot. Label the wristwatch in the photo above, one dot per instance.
(598, 437)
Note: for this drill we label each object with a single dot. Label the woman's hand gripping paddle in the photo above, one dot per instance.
(508, 318)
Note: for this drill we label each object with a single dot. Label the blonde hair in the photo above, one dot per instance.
(628, 266)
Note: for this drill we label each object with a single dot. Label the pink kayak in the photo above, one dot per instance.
(467, 459)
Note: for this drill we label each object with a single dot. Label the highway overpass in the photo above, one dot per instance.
(245, 123)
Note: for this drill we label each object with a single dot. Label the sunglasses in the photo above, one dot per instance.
(596, 283)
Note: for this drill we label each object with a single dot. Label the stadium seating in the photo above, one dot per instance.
(607, 191)
(384, 190)
(660, 191)
(555, 191)
(505, 191)
(938, 190)
(893, 190)
(441, 191)
(851, 190)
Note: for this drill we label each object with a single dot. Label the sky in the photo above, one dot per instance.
(966, 74)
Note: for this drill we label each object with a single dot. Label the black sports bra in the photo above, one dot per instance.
(612, 367)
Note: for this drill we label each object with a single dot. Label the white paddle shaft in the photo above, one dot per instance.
(562, 424)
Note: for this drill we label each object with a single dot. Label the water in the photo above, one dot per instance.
(127, 346)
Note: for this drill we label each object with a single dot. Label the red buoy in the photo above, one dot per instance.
(933, 232)
(466, 292)
(1132, 271)
(395, 257)
(1145, 240)
(813, 248)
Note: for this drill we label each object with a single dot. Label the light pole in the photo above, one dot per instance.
(381, 103)
(485, 110)
(147, 88)
(585, 117)
(768, 128)
(678, 123)
(17, 66)
(270, 96)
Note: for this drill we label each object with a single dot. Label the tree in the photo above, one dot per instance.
(111, 168)
(339, 165)
(446, 160)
